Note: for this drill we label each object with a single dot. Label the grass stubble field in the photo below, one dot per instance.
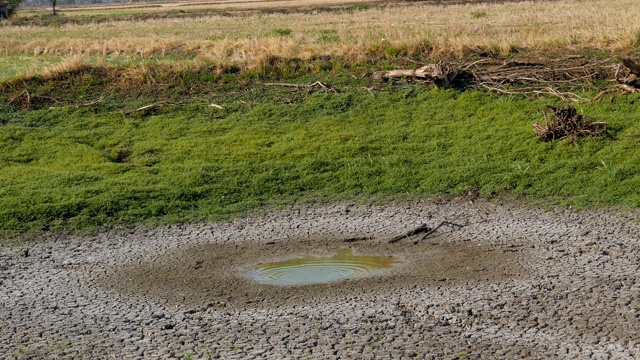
(132, 117)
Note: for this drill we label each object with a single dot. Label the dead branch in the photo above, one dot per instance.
(475, 63)
(146, 107)
(602, 94)
(440, 74)
(149, 107)
(284, 84)
(422, 228)
(448, 223)
(368, 89)
(26, 91)
(47, 98)
(356, 239)
(629, 89)
(310, 85)
(15, 97)
(617, 76)
(633, 67)
(92, 102)
(23, 93)
(320, 84)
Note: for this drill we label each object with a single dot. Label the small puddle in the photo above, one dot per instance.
(318, 270)
(230, 274)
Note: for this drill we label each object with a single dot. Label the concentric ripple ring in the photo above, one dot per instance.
(317, 270)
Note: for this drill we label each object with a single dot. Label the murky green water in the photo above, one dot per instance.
(317, 270)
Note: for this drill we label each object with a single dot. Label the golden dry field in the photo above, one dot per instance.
(227, 5)
(228, 34)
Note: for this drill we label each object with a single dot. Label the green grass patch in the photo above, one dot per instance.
(12, 66)
(74, 168)
(328, 36)
(282, 31)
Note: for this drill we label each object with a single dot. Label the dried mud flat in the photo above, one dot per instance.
(517, 281)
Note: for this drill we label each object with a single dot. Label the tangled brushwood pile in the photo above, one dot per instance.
(567, 124)
(561, 78)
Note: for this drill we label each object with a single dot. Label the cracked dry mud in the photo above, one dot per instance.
(518, 281)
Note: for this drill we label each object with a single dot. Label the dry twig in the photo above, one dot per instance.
(310, 85)
(149, 107)
(424, 228)
(24, 93)
(92, 102)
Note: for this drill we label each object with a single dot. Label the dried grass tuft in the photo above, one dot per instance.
(68, 66)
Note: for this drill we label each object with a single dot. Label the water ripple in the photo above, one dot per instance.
(316, 270)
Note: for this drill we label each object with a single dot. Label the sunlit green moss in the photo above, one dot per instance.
(72, 168)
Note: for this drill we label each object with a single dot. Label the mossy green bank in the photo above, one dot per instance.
(77, 167)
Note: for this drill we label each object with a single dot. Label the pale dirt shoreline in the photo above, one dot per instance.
(518, 281)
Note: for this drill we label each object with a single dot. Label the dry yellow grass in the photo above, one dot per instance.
(160, 6)
(71, 64)
(249, 41)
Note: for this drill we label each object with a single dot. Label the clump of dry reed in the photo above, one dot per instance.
(70, 65)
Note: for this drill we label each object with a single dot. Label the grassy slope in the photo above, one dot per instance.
(73, 168)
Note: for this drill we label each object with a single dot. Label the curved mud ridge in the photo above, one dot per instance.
(206, 273)
(515, 282)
